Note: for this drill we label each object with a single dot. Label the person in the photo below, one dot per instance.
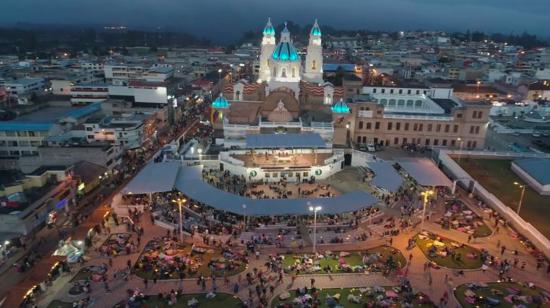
(145, 282)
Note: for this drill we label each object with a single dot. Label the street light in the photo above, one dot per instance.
(520, 203)
(244, 214)
(314, 209)
(180, 202)
(461, 144)
(200, 154)
(426, 194)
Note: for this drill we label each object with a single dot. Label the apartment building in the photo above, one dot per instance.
(124, 131)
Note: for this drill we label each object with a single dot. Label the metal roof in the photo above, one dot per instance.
(190, 183)
(537, 168)
(385, 176)
(154, 177)
(425, 172)
(279, 141)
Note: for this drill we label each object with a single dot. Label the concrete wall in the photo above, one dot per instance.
(523, 227)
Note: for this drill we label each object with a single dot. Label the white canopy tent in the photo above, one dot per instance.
(425, 172)
(153, 178)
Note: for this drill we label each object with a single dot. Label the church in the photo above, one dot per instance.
(289, 95)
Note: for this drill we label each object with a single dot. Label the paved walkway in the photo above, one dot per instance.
(442, 279)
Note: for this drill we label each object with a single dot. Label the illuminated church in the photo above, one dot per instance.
(289, 95)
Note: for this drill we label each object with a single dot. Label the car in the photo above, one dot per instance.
(536, 135)
(516, 134)
(545, 134)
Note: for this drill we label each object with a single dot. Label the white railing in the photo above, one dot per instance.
(522, 226)
(497, 154)
(418, 117)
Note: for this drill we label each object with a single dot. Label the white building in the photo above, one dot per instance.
(126, 132)
(24, 86)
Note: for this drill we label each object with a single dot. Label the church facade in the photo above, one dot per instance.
(289, 94)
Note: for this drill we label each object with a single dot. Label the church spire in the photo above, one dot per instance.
(269, 30)
(315, 30)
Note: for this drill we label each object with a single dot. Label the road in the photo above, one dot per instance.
(93, 216)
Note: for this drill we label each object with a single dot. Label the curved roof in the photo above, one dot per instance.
(221, 103)
(190, 182)
(285, 51)
(340, 107)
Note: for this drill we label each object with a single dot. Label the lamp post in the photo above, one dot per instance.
(180, 202)
(200, 154)
(460, 145)
(426, 194)
(520, 203)
(315, 209)
(244, 214)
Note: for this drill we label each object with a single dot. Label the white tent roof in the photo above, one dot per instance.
(154, 177)
(425, 172)
(385, 176)
(278, 141)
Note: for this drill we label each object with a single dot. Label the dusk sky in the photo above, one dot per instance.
(227, 19)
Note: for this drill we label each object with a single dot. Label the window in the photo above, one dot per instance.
(293, 72)
(438, 128)
(455, 129)
(477, 129)
(400, 91)
(427, 142)
(369, 125)
(474, 144)
(374, 90)
(447, 127)
(453, 142)
(406, 126)
(12, 143)
(404, 140)
(409, 91)
(391, 91)
(436, 142)
(90, 136)
(417, 92)
(364, 139)
(360, 124)
(420, 127)
(358, 139)
(283, 73)
(415, 127)
(313, 65)
(390, 124)
(395, 140)
(459, 115)
(444, 143)
(469, 144)
(471, 129)
(383, 91)
(89, 129)
(377, 125)
(479, 114)
(31, 134)
(398, 126)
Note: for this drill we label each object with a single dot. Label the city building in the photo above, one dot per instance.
(124, 131)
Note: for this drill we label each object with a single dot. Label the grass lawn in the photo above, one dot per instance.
(482, 231)
(344, 292)
(500, 287)
(497, 177)
(447, 261)
(202, 269)
(354, 258)
(59, 304)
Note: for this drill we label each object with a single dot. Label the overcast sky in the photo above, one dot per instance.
(227, 19)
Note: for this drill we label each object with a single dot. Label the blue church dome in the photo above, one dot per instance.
(285, 51)
(220, 103)
(340, 107)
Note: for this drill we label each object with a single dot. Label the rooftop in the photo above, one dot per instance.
(537, 168)
(277, 141)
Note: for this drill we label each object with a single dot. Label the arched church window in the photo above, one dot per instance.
(293, 72)
(313, 65)
(274, 72)
(283, 73)
(238, 95)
